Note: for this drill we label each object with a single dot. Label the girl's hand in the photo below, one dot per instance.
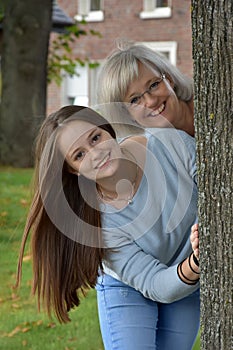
(194, 239)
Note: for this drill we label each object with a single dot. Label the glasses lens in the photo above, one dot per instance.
(137, 100)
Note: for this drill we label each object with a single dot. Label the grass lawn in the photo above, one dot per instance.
(22, 326)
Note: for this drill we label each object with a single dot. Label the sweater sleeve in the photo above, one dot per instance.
(181, 144)
(127, 260)
(156, 281)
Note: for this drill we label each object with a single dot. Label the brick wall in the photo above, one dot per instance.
(121, 19)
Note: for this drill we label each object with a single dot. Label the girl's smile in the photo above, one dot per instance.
(104, 162)
(89, 150)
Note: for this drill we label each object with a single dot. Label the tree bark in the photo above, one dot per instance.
(212, 25)
(26, 29)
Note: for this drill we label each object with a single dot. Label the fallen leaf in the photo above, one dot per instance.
(15, 306)
(51, 325)
(26, 329)
(38, 323)
(15, 331)
(14, 296)
(24, 202)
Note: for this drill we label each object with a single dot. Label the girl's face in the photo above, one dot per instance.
(151, 100)
(89, 150)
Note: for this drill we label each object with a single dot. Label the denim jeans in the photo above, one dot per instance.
(129, 321)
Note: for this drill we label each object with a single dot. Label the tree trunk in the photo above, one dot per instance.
(212, 23)
(26, 29)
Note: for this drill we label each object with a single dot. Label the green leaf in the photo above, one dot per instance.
(60, 53)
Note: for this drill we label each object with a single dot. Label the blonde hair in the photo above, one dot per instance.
(121, 68)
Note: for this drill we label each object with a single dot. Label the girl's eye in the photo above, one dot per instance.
(95, 138)
(80, 155)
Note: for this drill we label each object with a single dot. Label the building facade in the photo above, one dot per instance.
(164, 26)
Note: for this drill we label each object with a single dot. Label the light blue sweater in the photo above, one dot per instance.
(150, 236)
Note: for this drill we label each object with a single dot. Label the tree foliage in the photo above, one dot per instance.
(61, 58)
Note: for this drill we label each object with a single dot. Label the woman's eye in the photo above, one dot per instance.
(135, 100)
(154, 85)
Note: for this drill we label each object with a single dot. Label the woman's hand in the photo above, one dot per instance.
(194, 239)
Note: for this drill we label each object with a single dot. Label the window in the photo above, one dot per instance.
(90, 10)
(167, 48)
(81, 89)
(156, 9)
(95, 5)
(75, 88)
(161, 3)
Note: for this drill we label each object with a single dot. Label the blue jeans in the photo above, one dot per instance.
(129, 321)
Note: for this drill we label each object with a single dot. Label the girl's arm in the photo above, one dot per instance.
(155, 280)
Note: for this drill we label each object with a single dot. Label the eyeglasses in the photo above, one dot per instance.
(137, 100)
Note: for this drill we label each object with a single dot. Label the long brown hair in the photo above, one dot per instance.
(64, 263)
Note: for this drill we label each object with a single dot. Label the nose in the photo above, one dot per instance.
(148, 99)
(96, 154)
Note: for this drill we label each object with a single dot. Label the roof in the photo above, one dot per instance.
(60, 19)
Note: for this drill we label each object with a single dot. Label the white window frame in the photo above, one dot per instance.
(164, 46)
(76, 87)
(85, 13)
(72, 87)
(150, 10)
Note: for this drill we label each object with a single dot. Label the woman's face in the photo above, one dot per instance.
(151, 100)
(89, 150)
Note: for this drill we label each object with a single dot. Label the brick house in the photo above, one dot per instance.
(163, 25)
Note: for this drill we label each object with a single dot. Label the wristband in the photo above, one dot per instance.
(190, 266)
(195, 260)
(179, 271)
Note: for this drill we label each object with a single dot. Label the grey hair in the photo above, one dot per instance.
(121, 68)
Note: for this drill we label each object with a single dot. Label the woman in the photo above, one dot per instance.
(122, 214)
(154, 92)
